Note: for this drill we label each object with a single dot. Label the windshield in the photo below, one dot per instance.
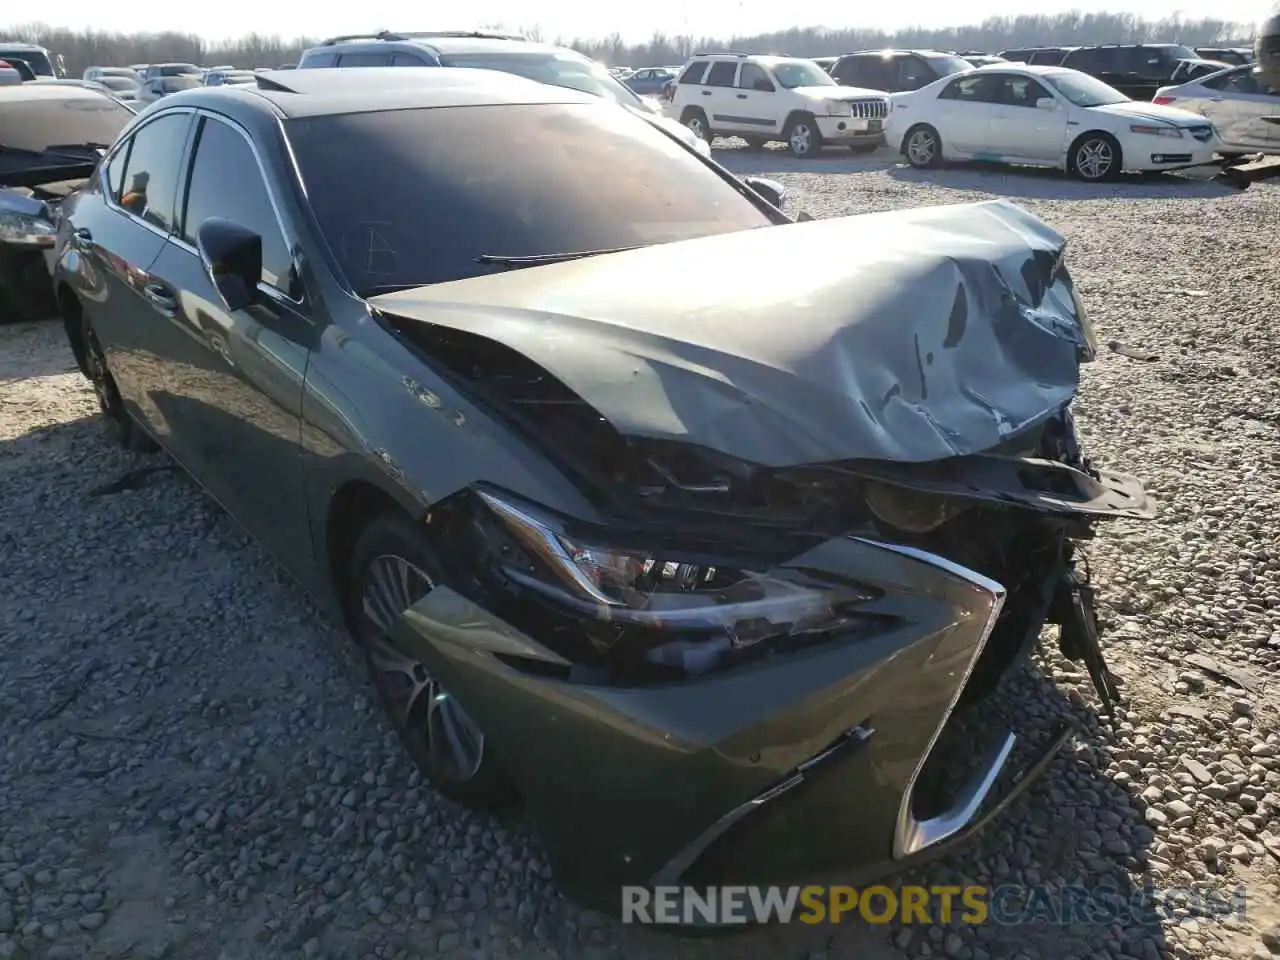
(412, 197)
(65, 116)
(1084, 90)
(557, 69)
(174, 84)
(800, 73)
(946, 66)
(37, 60)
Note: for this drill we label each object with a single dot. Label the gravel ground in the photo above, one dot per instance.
(191, 764)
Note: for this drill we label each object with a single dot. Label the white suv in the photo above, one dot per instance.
(763, 98)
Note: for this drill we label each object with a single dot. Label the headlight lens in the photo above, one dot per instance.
(674, 611)
(839, 108)
(1155, 131)
(26, 230)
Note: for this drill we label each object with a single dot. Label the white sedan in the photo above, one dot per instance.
(1244, 111)
(1044, 116)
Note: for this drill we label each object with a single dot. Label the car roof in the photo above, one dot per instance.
(450, 44)
(19, 45)
(895, 51)
(1013, 66)
(335, 90)
(48, 91)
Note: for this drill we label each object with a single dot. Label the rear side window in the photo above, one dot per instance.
(982, 89)
(1238, 81)
(149, 187)
(722, 73)
(694, 72)
(364, 60)
(115, 172)
(227, 182)
(319, 60)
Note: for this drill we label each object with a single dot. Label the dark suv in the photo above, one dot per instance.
(1137, 70)
(1037, 56)
(896, 71)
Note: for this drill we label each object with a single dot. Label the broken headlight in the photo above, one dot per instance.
(24, 229)
(675, 611)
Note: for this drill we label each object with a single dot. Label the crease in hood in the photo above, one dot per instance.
(907, 336)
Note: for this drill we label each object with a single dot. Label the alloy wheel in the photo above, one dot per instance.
(697, 127)
(432, 720)
(1094, 159)
(801, 139)
(922, 146)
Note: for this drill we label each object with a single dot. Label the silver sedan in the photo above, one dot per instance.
(1244, 111)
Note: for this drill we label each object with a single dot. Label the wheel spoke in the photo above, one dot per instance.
(425, 713)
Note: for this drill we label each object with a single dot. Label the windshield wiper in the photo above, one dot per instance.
(542, 259)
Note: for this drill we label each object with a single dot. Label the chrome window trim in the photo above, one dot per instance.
(290, 240)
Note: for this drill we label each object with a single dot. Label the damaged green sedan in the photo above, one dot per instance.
(694, 528)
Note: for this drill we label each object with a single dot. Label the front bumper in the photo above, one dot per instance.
(851, 130)
(1145, 153)
(801, 766)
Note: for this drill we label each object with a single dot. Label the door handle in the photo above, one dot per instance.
(161, 298)
(742, 96)
(706, 93)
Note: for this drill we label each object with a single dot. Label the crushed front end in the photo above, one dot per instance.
(812, 552)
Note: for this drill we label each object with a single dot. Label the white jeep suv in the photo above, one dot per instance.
(762, 99)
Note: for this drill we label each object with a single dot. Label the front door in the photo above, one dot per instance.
(755, 102)
(236, 377)
(1020, 129)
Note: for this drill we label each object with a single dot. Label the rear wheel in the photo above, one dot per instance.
(394, 565)
(922, 147)
(117, 422)
(696, 121)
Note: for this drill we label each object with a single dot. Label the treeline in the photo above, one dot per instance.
(84, 48)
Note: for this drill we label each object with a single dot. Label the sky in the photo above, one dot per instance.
(582, 19)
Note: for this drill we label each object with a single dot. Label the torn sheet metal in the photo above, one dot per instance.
(910, 336)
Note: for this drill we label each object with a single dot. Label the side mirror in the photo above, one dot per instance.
(232, 258)
(1046, 103)
(771, 190)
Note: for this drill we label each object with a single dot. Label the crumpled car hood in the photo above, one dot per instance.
(907, 336)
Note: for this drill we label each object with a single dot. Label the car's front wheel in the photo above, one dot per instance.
(922, 147)
(393, 566)
(803, 137)
(1095, 157)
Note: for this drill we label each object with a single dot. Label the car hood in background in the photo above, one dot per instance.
(909, 336)
(1141, 110)
(838, 93)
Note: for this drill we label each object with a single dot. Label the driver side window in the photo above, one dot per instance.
(227, 182)
(752, 77)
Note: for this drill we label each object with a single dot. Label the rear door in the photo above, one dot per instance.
(234, 389)
(719, 97)
(121, 240)
(1239, 108)
(966, 109)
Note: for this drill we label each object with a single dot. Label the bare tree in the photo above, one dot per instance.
(84, 48)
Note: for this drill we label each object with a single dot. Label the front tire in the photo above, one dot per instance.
(922, 147)
(1095, 157)
(394, 564)
(803, 137)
